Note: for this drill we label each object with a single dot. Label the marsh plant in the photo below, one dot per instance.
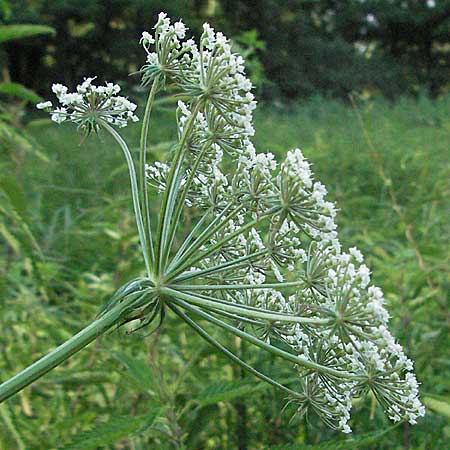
(262, 260)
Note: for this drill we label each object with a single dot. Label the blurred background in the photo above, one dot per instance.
(361, 86)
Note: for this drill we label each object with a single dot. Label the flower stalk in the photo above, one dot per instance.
(143, 187)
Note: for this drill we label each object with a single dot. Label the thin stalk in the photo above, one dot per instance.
(134, 191)
(189, 239)
(204, 334)
(242, 306)
(233, 264)
(181, 199)
(61, 353)
(259, 343)
(232, 308)
(166, 205)
(142, 161)
(212, 227)
(190, 262)
(233, 287)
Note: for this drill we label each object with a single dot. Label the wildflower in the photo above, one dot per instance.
(291, 282)
(263, 260)
(91, 106)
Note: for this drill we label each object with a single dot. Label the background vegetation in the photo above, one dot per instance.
(68, 238)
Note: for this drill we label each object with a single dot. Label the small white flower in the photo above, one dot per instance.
(180, 29)
(44, 105)
(147, 38)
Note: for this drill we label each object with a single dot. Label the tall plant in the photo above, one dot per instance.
(262, 261)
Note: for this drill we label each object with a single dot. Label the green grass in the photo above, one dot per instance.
(177, 389)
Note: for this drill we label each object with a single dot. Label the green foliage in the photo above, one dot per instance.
(295, 48)
(19, 91)
(78, 203)
(359, 443)
(14, 32)
(112, 431)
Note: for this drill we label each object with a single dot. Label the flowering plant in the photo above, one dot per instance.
(263, 260)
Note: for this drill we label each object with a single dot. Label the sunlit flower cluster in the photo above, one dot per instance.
(91, 106)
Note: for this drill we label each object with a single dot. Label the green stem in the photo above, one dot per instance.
(264, 345)
(184, 263)
(232, 287)
(60, 354)
(169, 194)
(255, 314)
(181, 199)
(188, 240)
(185, 251)
(233, 264)
(134, 191)
(142, 161)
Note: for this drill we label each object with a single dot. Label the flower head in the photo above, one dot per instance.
(91, 106)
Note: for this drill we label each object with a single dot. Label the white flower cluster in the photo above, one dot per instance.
(90, 106)
(166, 61)
(335, 287)
(270, 224)
(209, 73)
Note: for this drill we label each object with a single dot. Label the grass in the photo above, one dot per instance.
(387, 166)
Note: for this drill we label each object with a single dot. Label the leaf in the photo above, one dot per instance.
(10, 239)
(12, 32)
(438, 405)
(10, 426)
(14, 138)
(19, 91)
(79, 379)
(107, 433)
(15, 209)
(357, 443)
(138, 370)
(229, 390)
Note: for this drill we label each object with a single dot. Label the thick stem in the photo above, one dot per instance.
(134, 191)
(60, 354)
(142, 162)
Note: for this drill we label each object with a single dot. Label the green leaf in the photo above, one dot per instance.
(138, 370)
(12, 32)
(19, 91)
(110, 432)
(439, 405)
(14, 207)
(14, 138)
(228, 390)
(8, 421)
(10, 239)
(357, 443)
